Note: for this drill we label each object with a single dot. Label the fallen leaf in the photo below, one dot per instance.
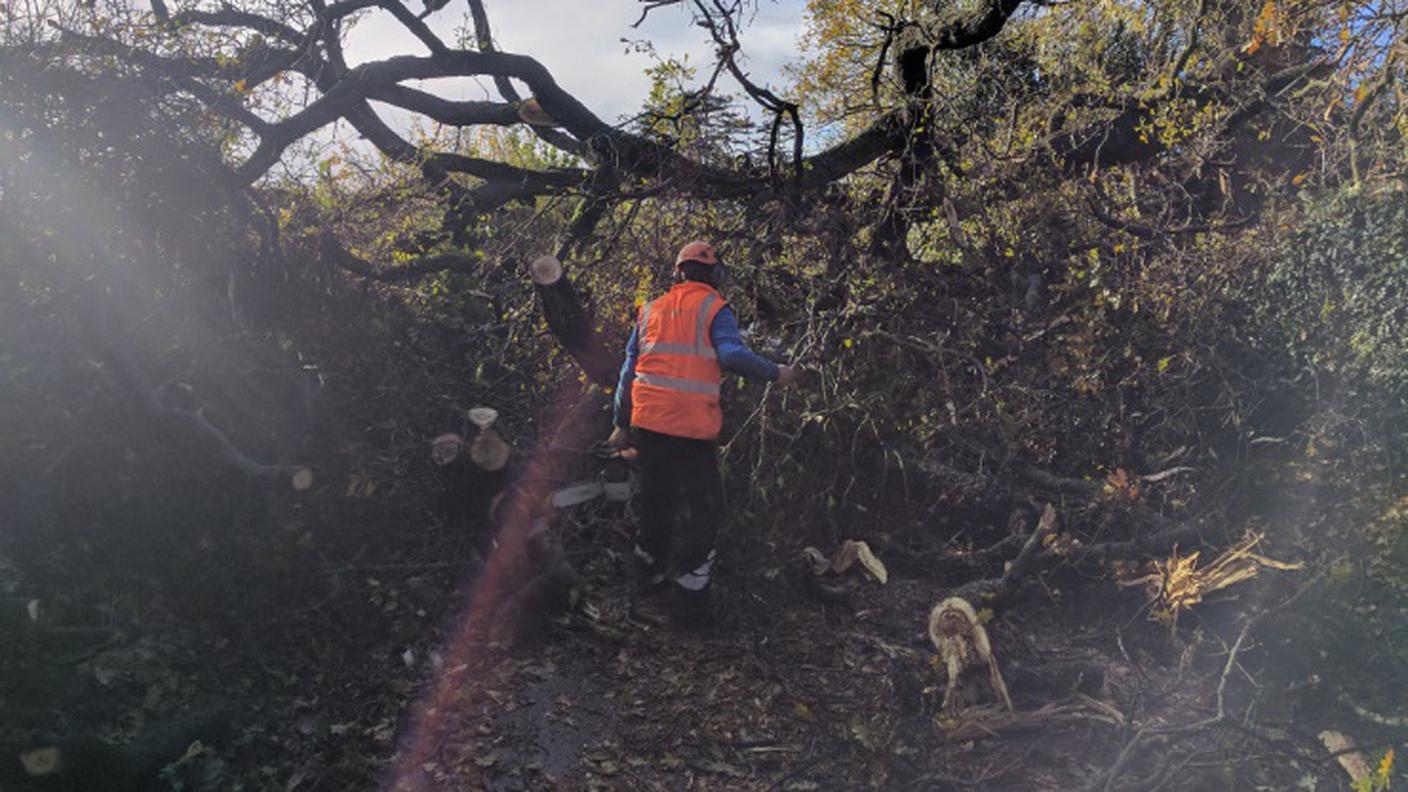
(40, 761)
(852, 551)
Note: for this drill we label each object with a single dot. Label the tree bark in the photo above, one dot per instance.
(572, 322)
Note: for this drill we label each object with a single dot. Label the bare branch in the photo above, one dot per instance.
(650, 5)
(965, 33)
(721, 27)
(484, 38)
(233, 17)
(445, 111)
(415, 25)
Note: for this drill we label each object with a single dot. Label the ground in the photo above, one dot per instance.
(784, 694)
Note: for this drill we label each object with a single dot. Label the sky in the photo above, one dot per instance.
(579, 41)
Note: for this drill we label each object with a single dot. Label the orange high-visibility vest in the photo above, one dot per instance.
(676, 390)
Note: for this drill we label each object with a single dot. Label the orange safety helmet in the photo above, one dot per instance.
(699, 251)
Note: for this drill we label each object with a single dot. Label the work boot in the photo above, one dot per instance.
(691, 610)
(648, 576)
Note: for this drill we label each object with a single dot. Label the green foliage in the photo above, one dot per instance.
(1339, 283)
(709, 127)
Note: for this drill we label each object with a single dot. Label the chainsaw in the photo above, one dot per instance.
(617, 480)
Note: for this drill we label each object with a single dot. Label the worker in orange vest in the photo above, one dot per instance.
(669, 394)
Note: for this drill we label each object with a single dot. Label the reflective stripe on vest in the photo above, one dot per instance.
(678, 349)
(675, 383)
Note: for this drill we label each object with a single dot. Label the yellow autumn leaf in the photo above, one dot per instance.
(1163, 363)
(1386, 766)
(40, 761)
(241, 87)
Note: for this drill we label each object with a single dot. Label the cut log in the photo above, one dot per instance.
(545, 270)
(302, 479)
(19, 615)
(490, 452)
(571, 321)
(473, 475)
(483, 417)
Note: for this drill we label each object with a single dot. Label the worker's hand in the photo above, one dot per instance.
(786, 375)
(619, 439)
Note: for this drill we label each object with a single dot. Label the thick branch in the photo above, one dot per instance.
(232, 17)
(965, 33)
(484, 38)
(400, 273)
(191, 428)
(445, 111)
(571, 321)
(1119, 141)
(358, 84)
(346, 92)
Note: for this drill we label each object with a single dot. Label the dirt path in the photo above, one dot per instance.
(785, 695)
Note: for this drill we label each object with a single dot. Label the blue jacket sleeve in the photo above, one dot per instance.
(734, 355)
(622, 417)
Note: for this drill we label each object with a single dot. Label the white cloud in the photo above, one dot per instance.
(580, 43)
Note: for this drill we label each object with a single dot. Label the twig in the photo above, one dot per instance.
(1219, 717)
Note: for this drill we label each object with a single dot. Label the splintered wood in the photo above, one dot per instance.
(850, 552)
(966, 651)
(983, 722)
(1179, 583)
(1352, 761)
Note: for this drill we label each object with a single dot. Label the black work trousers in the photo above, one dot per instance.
(682, 506)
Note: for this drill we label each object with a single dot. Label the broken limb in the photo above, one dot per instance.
(571, 320)
(993, 591)
(189, 428)
(416, 268)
